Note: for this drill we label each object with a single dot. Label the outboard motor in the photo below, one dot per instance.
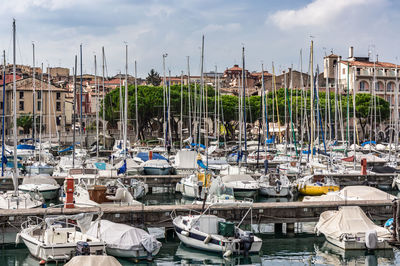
(371, 239)
(246, 240)
(82, 248)
(278, 185)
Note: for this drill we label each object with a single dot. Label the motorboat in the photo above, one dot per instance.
(115, 194)
(56, 238)
(93, 260)
(192, 185)
(157, 167)
(39, 168)
(212, 233)
(125, 241)
(243, 185)
(45, 185)
(11, 200)
(316, 185)
(353, 193)
(275, 185)
(350, 228)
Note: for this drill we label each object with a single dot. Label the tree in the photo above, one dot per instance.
(153, 78)
(25, 121)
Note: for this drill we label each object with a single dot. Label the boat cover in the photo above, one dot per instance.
(93, 260)
(348, 220)
(186, 159)
(130, 163)
(144, 156)
(157, 163)
(122, 236)
(353, 193)
(39, 180)
(233, 178)
(383, 169)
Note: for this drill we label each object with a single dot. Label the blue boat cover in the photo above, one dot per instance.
(368, 142)
(197, 145)
(201, 164)
(144, 156)
(25, 147)
(122, 169)
(70, 148)
(270, 141)
(100, 166)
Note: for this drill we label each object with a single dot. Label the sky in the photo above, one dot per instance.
(270, 30)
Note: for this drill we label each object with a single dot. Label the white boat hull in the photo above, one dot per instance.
(271, 191)
(356, 245)
(47, 194)
(136, 254)
(58, 252)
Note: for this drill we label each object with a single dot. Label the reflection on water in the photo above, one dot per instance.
(277, 249)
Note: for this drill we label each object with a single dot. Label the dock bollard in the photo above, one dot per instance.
(364, 166)
(69, 204)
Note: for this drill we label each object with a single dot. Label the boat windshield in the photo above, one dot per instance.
(223, 190)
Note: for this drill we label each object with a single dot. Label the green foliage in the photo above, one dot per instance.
(26, 122)
(150, 106)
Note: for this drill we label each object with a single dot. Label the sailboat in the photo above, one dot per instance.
(16, 199)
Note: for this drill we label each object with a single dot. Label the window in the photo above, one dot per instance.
(21, 94)
(1, 106)
(58, 95)
(58, 106)
(39, 94)
(390, 87)
(21, 105)
(363, 86)
(39, 105)
(58, 120)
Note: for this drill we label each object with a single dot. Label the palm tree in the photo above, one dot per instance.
(26, 122)
(153, 78)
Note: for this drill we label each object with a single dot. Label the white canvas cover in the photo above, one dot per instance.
(186, 159)
(122, 236)
(156, 163)
(348, 220)
(233, 178)
(93, 260)
(130, 163)
(365, 193)
(353, 193)
(39, 180)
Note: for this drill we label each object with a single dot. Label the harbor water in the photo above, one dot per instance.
(301, 248)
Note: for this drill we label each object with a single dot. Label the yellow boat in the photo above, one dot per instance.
(317, 189)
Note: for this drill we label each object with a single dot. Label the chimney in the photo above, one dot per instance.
(351, 52)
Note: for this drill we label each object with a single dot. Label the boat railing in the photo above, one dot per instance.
(32, 221)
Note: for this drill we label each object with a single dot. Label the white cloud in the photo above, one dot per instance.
(316, 13)
(221, 27)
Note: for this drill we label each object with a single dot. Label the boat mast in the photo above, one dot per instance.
(396, 113)
(354, 116)
(41, 115)
(164, 98)
(121, 113)
(34, 97)
(312, 99)
(181, 120)
(81, 100)
(104, 115)
(96, 87)
(49, 103)
(244, 106)
(74, 111)
(4, 117)
(136, 104)
(15, 115)
(126, 102)
(189, 100)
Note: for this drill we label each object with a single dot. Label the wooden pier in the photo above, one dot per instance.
(160, 215)
(169, 181)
